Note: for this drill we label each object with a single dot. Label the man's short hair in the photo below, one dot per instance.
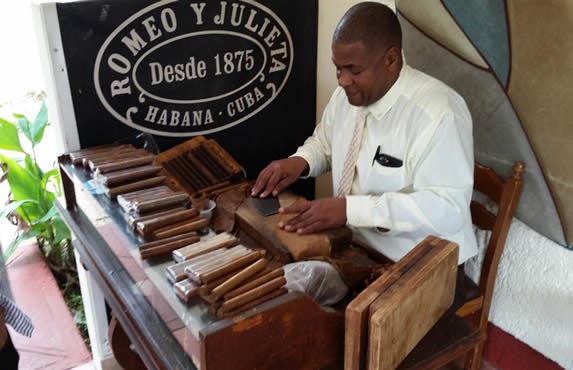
(373, 23)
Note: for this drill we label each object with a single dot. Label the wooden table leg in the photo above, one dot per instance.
(121, 347)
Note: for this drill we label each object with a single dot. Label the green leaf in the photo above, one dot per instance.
(16, 242)
(61, 230)
(40, 123)
(11, 207)
(9, 139)
(25, 186)
(24, 125)
(33, 167)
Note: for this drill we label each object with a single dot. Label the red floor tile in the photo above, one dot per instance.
(56, 342)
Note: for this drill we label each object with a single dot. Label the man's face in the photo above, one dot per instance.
(362, 73)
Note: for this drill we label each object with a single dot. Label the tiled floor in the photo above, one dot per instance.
(56, 342)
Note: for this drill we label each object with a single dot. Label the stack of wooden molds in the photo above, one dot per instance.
(229, 276)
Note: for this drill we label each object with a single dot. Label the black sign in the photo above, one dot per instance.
(241, 72)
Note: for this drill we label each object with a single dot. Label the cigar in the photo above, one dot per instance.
(241, 185)
(236, 280)
(224, 312)
(223, 240)
(186, 289)
(190, 235)
(201, 168)
(212, 162)
(93, 162)
(127, 188)
(132, 218)
(192, 224)
(144, 206)
(128, 197)
(278, 272)
(176, 272)
(165, 248)
(231, 266)
(253, 294)
(77, 156)
(128, 175)
(230, 255)
(145, 227)
(126, 163)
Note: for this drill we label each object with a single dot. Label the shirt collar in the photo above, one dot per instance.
(380, 107)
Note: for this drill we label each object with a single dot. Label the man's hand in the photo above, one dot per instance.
(314, 216)
(278, 175)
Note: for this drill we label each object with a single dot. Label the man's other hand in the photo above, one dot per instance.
(314, 216)
(278, 175)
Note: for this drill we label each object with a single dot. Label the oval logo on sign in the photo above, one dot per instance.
(185, 68)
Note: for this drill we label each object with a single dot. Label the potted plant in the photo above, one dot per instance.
(30, 204)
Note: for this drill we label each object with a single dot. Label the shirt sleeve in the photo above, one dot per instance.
(437, 200)
(316, 150)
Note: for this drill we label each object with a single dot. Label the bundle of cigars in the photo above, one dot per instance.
(229, 276)
(120, 169)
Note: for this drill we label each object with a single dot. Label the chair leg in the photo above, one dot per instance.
(473, 358)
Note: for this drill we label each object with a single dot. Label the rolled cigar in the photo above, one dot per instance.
(132, 218)
(253, 294)
(77, 156)
(206, 289)
(223, 312)
(176, 272)
(145, 227)
(128, 175)
(223, 240)
(201, 168)
(94, 162)
(147, 183)
(190, 235)
(278, 272)
(241, 185)
(128, 197)
(222, 157)
(231, 266)
(239, 278)
(212, 163)
(126, 163)
(220, 185)
(144, 206)
(209, 264)
(192, 224)
(190, 172)
(174, 171)
(164, 248)
(186, 289)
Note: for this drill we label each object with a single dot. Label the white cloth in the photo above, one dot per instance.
(425, 124)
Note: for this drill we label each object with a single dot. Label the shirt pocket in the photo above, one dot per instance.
(383, 179)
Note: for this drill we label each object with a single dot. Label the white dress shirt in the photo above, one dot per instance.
(426, 125)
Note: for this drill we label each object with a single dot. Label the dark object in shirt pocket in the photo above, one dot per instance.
(387, 160)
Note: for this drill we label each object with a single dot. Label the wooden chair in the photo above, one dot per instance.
(462, 331)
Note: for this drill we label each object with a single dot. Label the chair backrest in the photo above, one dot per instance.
(505, 193)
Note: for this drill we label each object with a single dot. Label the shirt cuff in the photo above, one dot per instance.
(358, 211)
(306, 156)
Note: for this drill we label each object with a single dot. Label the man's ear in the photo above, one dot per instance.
(393, 58)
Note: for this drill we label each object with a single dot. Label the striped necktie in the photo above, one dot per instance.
(347, 177)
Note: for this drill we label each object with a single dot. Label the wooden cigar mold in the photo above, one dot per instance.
(200, 166)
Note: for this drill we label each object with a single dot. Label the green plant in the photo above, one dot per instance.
(33, 190)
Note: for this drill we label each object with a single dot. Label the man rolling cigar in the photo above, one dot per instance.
(398, 143)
